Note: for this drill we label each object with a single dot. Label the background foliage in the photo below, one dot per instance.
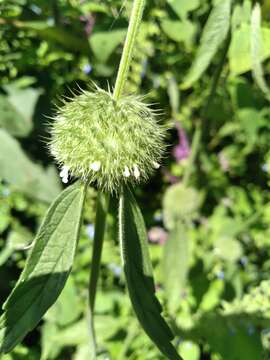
(207, 215)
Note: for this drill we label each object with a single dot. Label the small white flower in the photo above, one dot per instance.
(65, 179)
(136, 171)
(95, 166)
(156, 165)
(64, 171)
(126, 172)
(64, 174)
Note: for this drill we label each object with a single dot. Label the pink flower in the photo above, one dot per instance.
(182, 150)
(157, 235)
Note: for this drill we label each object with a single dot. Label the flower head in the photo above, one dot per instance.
(105, 141)
(182, 150)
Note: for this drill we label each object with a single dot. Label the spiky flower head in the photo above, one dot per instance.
(105, 141)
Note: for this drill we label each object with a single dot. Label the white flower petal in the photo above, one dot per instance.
(156, 165)
(64, 171)
(95, 166)
(65, 179)
(126, 172)
(136, 172)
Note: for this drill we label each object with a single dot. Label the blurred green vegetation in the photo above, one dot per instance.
(208, 221)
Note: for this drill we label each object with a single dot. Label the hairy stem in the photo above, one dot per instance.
(103, 199)
(134, 23)
(100, 224)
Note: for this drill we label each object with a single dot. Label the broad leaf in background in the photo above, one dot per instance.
(180, 31)
(183, 7)
(62, 314)
(103, 44)
(240, 49)
(214, 33)
(256, 50)
(15, 116)
(139, 276)
(47, 268)
(22, 174)
(17, 240)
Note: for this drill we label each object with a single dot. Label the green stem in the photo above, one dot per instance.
(100, 224)
(103, 200)
(134, 23)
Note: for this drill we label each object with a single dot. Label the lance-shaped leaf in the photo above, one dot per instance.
(46, 270)
(214, 33)
(256, 50)
(139, 277)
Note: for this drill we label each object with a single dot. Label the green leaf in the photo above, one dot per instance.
(190, 350)
(103, 43)
(183, 7)
(256, 50)
(22, 174)
(175, 264)
(139, 277)
(214, 33)
(179, 31)
(46, 270)
(240, 49)
(15, 117)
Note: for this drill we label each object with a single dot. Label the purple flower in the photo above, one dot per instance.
(182, 150)
(157, 235)
(89, 21)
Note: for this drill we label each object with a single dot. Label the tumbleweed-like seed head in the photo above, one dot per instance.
(105, 141)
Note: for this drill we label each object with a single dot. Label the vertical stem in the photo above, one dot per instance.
(103, 199)
(100, 224)
(134, 23)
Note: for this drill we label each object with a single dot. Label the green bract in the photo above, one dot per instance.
(105, 141)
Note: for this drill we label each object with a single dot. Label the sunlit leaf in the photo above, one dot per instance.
(47, 268)
(256, 50)
(103, 44)
(19, 171)
(240, 49)
(183, 7)
(214, 33)
(15, 117)
(139, 277)
(179, 31)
